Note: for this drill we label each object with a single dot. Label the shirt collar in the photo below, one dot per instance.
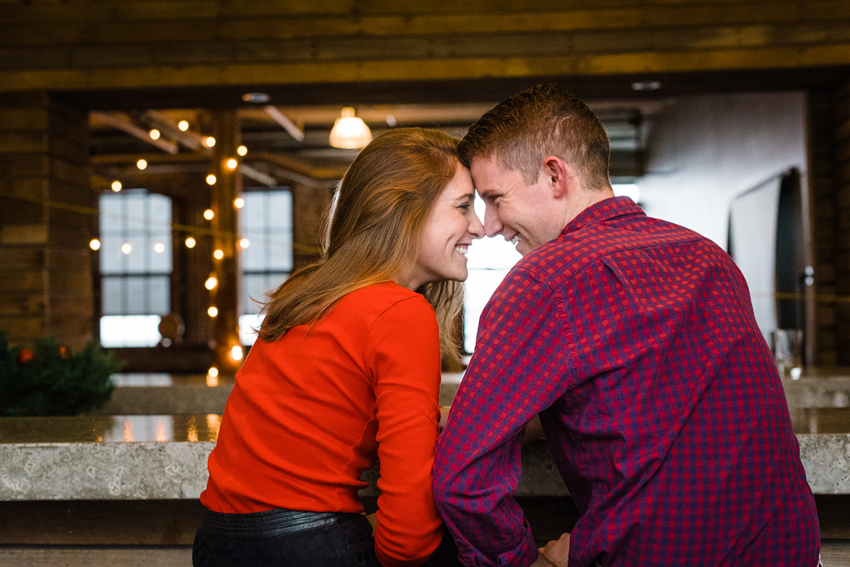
(602, 211)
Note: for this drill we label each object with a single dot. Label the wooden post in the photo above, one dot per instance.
(309, 206)
(227, 188)
(45, 221)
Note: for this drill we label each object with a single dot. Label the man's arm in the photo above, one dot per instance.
(518, 370)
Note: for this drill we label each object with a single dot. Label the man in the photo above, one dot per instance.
(634, 340)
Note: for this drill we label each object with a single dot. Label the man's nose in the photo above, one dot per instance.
(492, 224)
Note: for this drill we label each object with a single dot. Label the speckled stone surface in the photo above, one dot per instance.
(98, 471)
(826, 458)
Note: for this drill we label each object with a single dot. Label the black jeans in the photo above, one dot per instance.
(291, 538)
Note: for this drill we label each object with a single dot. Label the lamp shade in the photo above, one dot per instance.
(350, 131)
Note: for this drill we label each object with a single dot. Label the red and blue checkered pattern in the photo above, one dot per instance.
(635, 340)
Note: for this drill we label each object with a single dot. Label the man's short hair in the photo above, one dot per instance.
(520, 132)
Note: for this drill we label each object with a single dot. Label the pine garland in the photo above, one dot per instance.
(49, 380)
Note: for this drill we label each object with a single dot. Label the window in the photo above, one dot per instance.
(135, 267)
(267, 224)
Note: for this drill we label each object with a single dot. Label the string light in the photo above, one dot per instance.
(183, 125)
(211, 179)
(239, 202)
(141, 164)
(126, 248)
(236, 353)
(244, 243)
(159, 247)
(211, 283)
(209, 214)
(232, 163)
(116, 186)
(94, 244)
(154, 134)
(209, 141)
(218, 254)
(190, 242)
(213, 371)
(212, 311)
(241, 150)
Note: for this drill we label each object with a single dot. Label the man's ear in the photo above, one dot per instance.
(561, 177)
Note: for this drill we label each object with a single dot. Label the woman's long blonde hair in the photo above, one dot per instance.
(375, 223)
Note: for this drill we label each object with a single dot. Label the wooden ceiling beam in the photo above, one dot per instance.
(123, 122)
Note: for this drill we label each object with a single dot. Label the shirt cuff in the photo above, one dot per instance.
(523, 555)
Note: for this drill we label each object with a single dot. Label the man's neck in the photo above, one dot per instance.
(584, 199)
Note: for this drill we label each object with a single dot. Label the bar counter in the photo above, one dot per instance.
(149, 457)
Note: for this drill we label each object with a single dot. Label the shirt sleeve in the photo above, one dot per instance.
(404, 355)
(516, 372)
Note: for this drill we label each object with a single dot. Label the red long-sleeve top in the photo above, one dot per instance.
(314, 409)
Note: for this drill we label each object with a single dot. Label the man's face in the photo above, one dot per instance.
(525, 215)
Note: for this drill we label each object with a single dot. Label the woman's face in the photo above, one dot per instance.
(450, 229)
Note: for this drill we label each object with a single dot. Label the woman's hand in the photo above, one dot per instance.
(444, 416)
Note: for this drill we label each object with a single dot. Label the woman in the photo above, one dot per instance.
(347, 369)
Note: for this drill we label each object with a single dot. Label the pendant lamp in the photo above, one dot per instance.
(349, 131)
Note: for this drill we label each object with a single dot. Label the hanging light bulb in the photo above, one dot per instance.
(116, 186)
(154, 134)
(349, 131)
(244, 243)
(212, 311)
(241, 150)
(190, 242)
(159, 247)
(236, 353)
(126, 248)
(209, 141)
(211, 179)
(211, 283)
(218, 254)
(209, 214)
(142, 164)
(183, 125)
(232, 163)
(238, 202)
(94, 244)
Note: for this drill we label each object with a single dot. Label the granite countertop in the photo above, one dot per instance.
(135, 457)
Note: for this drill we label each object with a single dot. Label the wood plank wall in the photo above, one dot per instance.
(842, 222)
(45, 221)
(108, 44)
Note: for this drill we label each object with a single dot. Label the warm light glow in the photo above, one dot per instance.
(183, 125)
(213, 371)
(154, 134)
(128, 431)
(94, 244)
(141, 164)
(126, 248)
(239, 202)
(218, 254)
(190, 242)
(244, 243)
(241, 150)
(211, 179)
(212, 381)
(236, 353)
(209, 214)
(211, 283)
(232, 163)
(116, 185)
(212, 311)
(161, 431)
(350, 131)
(209, 141)
(159, 247)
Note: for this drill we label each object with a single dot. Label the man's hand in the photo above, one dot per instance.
(555, 553)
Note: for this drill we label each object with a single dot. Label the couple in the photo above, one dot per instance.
(633, 340)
